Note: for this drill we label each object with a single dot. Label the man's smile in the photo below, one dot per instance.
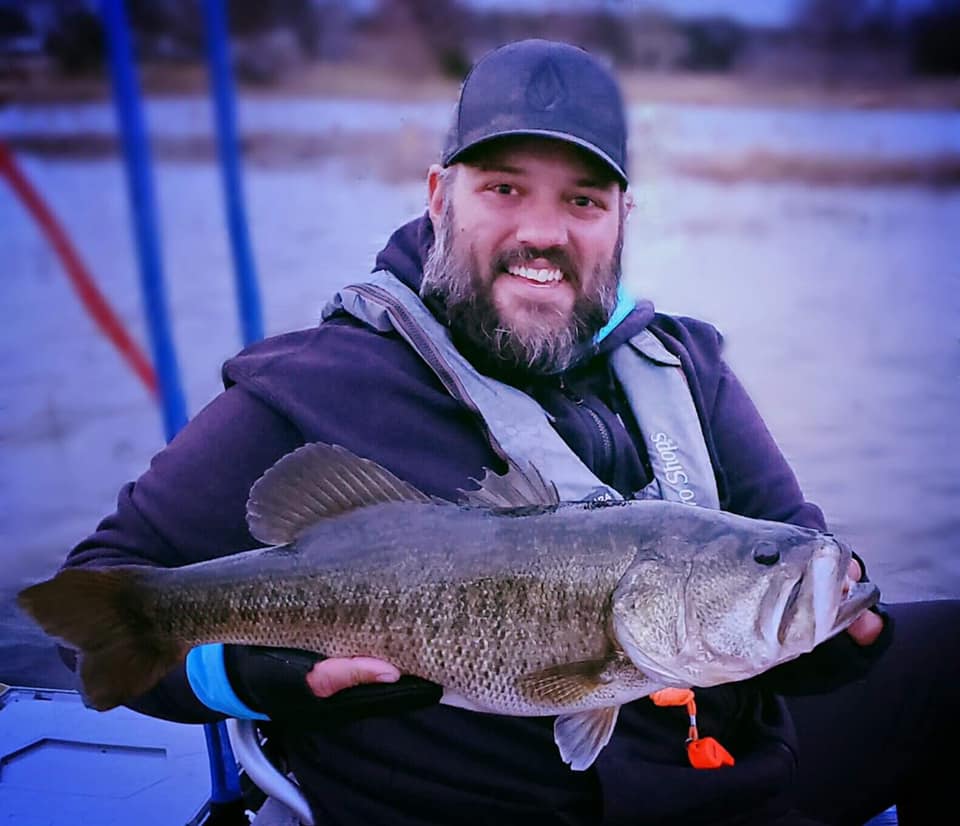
(536, 275)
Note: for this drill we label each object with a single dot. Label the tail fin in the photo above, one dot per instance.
(104, 613)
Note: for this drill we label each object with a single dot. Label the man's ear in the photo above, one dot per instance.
(435, 193)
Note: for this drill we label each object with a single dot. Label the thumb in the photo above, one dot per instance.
(866, 628)
(327, 677)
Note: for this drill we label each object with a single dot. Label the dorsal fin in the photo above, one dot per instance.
(520, 487)
(318, 481)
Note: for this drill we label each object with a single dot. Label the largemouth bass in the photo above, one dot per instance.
(514, 602)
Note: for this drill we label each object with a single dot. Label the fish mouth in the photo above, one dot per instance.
(838, 597)
(789, 610)
(855, 596)
(826, 591)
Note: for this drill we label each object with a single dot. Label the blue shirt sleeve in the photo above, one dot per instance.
(207, 676)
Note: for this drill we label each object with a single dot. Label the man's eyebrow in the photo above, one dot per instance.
(594, 183)
(586, 182)
(498, 166)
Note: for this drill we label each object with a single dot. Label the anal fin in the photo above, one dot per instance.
(581, 736)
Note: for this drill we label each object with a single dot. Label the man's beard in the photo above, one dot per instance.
(455, 289)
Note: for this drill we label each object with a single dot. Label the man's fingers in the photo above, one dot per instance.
(327, 677)
(866, 628)
(853, 570)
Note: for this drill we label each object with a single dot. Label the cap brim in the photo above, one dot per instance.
(593, 149)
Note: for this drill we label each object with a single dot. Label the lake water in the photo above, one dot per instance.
(840, 307)
(681, 127)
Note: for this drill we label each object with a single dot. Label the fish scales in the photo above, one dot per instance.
(457, 596)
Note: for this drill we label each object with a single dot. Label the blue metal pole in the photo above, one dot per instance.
(126, 96)
(225, 782)
(223, 767)
(221, 87)
(224, 778)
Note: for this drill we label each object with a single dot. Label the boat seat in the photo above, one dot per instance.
(248, 749)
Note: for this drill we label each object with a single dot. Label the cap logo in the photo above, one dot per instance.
(546, 88)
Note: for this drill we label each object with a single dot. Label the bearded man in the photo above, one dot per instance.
(493, 328)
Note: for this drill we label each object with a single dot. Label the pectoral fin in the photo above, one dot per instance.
(565, 684)
(581, 736)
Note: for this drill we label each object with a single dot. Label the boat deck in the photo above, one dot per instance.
(61, 763)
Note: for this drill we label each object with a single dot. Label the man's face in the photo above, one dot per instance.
(527, 253)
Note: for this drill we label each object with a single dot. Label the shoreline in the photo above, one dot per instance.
(34, 82)
(267, 150)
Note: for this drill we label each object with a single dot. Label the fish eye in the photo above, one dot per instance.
(766, 554)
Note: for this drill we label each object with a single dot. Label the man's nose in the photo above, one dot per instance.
(541, 226)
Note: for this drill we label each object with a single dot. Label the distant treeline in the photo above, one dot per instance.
(445, 36)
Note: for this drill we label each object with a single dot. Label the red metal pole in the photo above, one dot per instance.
(92, 299)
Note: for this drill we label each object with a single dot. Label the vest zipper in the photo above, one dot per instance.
(606, 438)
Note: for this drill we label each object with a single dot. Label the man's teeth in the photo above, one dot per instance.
(538, 275)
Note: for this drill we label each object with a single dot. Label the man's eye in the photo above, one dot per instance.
(503, 189)
(583, 201)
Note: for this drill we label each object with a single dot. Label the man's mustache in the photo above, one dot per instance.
(556, 256)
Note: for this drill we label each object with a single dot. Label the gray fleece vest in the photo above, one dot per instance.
(519, 429)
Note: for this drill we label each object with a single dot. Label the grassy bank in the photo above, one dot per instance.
(36, 82)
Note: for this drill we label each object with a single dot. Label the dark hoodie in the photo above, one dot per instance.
(343, 383)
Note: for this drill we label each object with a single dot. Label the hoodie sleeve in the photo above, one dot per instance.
(756, 480)
(753, 477)
(190, 506)
(759, 481)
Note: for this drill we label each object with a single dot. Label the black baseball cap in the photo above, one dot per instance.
(541, 87)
